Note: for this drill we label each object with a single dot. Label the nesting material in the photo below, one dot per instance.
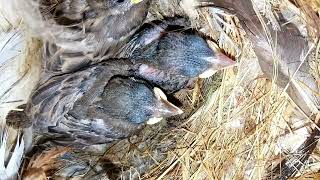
(239, 124)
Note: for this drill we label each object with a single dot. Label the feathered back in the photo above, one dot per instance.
(82, 31)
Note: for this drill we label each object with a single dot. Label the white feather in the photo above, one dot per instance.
(18, 76)
(16, 158)
(19, 71)
(4, 137)
(12, 168)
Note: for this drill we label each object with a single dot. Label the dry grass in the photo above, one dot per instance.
(245, 126)
(241, 124)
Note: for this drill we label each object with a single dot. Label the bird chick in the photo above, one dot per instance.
(92, 30)
(96, 105)
(172, 55)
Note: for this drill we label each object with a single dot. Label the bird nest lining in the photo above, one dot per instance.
(238, 124)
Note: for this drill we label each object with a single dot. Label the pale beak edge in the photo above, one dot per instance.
(136, 1)
(208, 73)
(159, 94)
(154, 120)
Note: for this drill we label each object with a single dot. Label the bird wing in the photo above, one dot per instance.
(75, 132)
(59, 60)
(114, 31)
(149, 33)
(53, 99)
(100, 37)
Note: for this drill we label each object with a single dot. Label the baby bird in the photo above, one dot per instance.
(95, 105)
(92, 30)
(172, 55)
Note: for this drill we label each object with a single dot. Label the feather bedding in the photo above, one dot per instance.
(242, 124)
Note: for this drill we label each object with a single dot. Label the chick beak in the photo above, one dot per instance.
(136, 1)
(164, 109)
(219, 61)
(208, 73)
(154, 120)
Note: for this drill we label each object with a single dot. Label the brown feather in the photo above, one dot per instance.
(39, 165)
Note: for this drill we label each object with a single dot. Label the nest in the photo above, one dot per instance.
(237, 125)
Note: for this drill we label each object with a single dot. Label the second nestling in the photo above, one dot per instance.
(95, 105)
(173, 54)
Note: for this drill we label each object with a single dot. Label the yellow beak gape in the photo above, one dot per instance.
(136, 1)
